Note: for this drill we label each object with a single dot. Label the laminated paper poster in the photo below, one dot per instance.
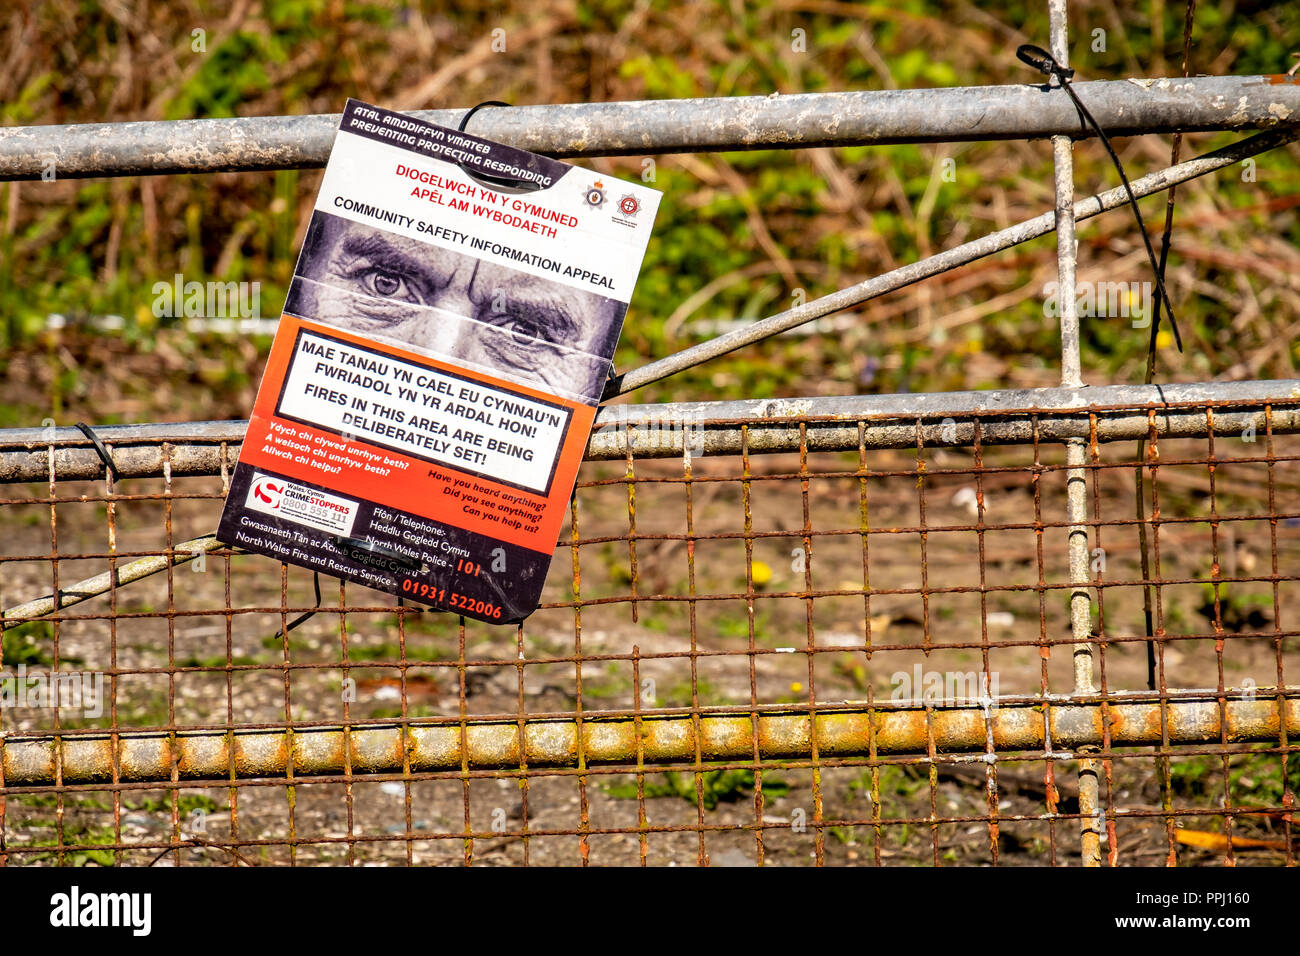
(436, 371)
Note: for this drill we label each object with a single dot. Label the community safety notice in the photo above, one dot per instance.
(446, 339)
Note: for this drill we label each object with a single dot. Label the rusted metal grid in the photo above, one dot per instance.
(801, 567)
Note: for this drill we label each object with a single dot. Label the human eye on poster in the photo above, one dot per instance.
(435, 375)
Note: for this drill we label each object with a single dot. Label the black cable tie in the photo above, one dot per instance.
(1045, 63)
(301, 618)
(1042, 61)
(110, 469)
(487, 179)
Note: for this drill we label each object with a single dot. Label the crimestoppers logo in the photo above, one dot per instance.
(301, 504)
(595, 195)
(267, 491)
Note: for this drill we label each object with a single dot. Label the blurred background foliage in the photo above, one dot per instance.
(739, 235)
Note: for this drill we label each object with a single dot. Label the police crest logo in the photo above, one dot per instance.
(595, 195)
(435, 375)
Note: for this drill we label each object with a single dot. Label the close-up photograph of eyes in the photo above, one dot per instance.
(718, 434)
(452, 306)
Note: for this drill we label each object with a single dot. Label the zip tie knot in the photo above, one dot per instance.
(1042, 61)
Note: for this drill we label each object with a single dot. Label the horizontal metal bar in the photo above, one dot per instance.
(154, 432)
(1122, 107)
(941, 262)
(565, 743)
(183, 450)
(1006, 416)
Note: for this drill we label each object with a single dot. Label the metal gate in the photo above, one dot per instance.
(880, 630)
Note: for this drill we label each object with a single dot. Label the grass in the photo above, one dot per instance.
(680, 694)
(1253, 778)
(32, 645)
(896, 780)
(716, 786)
(616, 684)
(76, 830)
(391, 652)
(73, 834)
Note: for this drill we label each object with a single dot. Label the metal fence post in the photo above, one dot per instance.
(1076, 448)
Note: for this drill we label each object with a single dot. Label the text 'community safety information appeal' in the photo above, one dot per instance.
(435, 375)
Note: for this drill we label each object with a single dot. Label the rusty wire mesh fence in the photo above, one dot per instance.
(1043, 627)
(791, 638)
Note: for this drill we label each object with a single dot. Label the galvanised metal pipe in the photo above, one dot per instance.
(148, 757)
(1076, 485)
(1006, 417)
(126, 573)
(183, 449)
(1122, 107)
(939, 263)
